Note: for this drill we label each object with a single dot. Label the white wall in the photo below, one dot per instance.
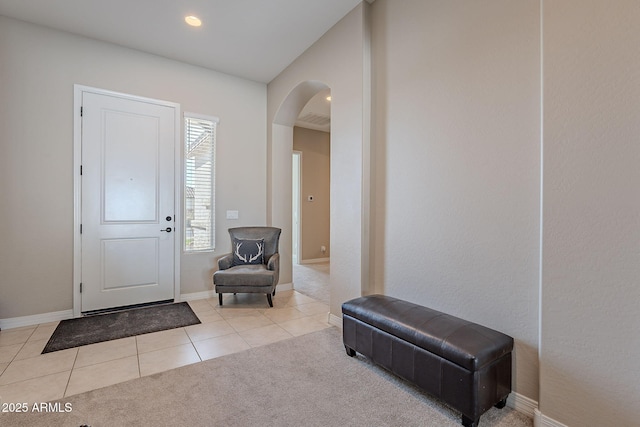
(457, 172)
(591, 265)
(38, 68)
(316, 170)
(458, 110)
(337, 61)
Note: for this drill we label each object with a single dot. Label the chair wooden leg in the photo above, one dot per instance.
(220, 299)
(269, 299)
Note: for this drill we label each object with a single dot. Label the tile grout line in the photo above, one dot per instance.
(66, 387)
(138, 357)
(19, 350)
(193, 343)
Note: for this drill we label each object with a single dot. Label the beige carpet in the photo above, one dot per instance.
(304, 381)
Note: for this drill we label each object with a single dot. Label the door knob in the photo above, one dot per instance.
(168, 230)
(168, 218)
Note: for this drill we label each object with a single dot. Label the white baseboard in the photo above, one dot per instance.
(284, 287)
(315, 261)
(198, 295)
(335, 320)
(212, 294)
(522, 404)
(540, 420)
(18, 322)
(56, 316)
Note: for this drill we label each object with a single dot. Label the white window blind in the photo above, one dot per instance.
(199, 182)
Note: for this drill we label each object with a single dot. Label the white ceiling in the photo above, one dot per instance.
(253, 39)
(316, 114)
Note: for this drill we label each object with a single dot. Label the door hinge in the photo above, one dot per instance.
(80, 169)
(80, 228)
(80, 287)
(81, 111)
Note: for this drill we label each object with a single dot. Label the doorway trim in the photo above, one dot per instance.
(78, 90)
(297, 229)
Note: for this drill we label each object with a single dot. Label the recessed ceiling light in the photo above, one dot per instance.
(194, 21)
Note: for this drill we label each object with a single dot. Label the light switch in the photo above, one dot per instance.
(232, 214)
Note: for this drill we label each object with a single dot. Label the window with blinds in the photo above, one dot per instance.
(199, 182)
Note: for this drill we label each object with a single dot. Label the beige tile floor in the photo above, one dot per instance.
(244, 321)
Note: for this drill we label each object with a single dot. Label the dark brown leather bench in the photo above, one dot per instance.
(466, 365)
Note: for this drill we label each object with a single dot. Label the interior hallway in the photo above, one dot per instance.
(312, 280)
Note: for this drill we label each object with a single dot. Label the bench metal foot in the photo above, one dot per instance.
(501, 404)
(220, 299)
(468, 422)
(269, 300)
(350, 352)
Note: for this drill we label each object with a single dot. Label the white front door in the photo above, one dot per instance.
(127, 201)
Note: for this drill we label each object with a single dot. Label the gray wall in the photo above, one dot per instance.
(590, 337)
(468, 95)
(457, 176)
(38, 68)
(315, 216)
(338, 61)
(459, 105)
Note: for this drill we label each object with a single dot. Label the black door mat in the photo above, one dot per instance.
(106, 327)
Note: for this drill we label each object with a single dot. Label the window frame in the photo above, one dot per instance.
(215, 122)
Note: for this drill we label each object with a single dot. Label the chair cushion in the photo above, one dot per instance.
(248, 251)
(245, 276)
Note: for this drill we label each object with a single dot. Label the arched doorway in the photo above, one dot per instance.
(311, 224)
(281, 160)
(350, 178)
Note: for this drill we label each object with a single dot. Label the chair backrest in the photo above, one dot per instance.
(271, 236)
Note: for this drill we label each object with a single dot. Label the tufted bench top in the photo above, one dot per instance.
(464, 343)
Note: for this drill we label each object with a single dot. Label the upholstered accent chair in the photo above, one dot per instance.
(254, 264)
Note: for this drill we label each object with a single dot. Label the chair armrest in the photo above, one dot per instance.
(225, 261)
(274, 262)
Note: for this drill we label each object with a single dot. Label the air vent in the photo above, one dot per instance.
(315, 119)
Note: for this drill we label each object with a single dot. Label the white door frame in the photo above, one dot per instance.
(78, 90)
(298, 227)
